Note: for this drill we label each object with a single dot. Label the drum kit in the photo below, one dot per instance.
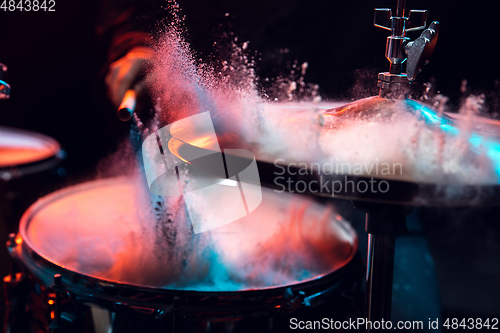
(93, 258)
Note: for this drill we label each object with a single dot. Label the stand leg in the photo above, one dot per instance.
(379, 273)
(383, 223)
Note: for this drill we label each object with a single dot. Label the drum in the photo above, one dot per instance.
(97, 245)
(24, 152)
(28, 169)
(24, 157)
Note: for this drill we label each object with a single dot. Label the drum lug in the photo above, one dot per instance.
(58, 287)
(177, 320)
(59, 300)
(16, 292)
(295, 302)
(176, 305)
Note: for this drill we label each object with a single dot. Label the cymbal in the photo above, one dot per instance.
(374, 149)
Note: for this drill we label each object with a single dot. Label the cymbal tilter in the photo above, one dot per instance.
(400, 49)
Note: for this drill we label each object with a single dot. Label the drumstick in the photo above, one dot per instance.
(127, 106)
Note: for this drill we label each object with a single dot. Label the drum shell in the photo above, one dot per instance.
(208, 306)
(16, 195)
(338, 295)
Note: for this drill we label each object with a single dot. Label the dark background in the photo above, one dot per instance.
(53, 59)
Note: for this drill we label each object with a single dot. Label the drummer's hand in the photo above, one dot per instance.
(129, 72)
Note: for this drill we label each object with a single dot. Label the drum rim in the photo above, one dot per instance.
(473, 118)
(199, 305)
(18, 170)
(24, 251)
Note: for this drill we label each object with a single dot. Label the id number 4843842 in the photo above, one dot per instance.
(28, 5)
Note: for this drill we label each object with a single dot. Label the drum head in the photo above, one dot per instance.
(104, 231)
(20, 147)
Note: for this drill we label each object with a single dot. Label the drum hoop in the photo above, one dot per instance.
(81, 283)
(99, 289)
